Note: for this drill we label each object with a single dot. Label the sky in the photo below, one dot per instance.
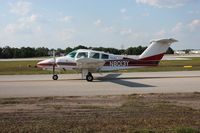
(99, 23)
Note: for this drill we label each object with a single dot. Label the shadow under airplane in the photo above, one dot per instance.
(114, 79)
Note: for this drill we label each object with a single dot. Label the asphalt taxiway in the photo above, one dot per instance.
(106, 84)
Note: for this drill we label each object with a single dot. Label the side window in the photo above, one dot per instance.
(82, 55)
(104, 56)
(94, 55)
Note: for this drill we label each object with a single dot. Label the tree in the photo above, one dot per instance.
(135, 50)
(170, 51)
(30, 52)
(16, 53)
(68, 50)
(41, 52)
(59, 51)
(98, 48)
(80, 47)
(1, 52)
(25, 52)
(187, 51)
(122, 51)
(7, 52)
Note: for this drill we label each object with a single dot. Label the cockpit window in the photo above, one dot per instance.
(94, 55)
(82, 55)
(72, 54)
(104, 56)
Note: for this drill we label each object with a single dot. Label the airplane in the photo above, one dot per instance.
(88, 61)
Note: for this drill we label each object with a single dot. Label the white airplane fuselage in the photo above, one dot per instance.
(113, 62)
(85, 60)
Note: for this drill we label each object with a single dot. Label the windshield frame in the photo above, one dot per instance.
(72, 54)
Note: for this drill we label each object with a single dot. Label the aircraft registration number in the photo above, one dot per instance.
(119, 63)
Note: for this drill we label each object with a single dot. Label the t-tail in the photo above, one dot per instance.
(156, 50)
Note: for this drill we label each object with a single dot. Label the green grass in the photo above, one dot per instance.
(29, 67)
(19, 67)
(186, 130)
(23, 67)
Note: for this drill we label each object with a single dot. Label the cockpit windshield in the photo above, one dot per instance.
(72, 54)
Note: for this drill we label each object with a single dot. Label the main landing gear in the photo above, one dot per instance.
(55, 77)
(89, 77)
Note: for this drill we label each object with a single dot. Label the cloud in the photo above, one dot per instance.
(126, 32)
(132, 34)
(164, 3)
(66, 34)
(20, 8)
(178, 27)
(17, 28)
(126, 17)
(161, 33)
(109, 29)
(103, 27)
(145, 14)
(194, 12)
(33, 18)
(195, 24)
(124, 14)
(38, 29)
(25, 22)
(182, 28)
(123, 10)
(98, 22)
(23, 25)
(67, 19)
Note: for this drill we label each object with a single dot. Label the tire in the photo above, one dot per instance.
(55, 77)
(89, 78)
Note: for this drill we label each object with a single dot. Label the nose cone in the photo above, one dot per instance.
(45, 63)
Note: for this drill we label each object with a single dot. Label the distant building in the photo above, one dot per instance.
(194, 52)
(179, 52)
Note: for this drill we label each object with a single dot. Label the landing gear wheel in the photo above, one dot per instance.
(89, 77)
(55, 77)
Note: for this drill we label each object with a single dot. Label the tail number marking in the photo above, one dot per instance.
(119, 63)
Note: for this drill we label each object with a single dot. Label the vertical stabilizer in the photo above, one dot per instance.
(157, 49)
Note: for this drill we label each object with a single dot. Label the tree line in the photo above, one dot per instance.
(28, 52)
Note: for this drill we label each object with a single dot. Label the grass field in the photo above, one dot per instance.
(28, 67)
(148, 113)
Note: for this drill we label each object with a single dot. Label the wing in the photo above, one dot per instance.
(89, 63)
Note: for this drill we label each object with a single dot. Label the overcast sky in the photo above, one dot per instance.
(107, 23)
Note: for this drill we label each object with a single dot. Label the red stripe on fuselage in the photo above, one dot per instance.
(154, 57)
(45, 64)
(59, 63)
